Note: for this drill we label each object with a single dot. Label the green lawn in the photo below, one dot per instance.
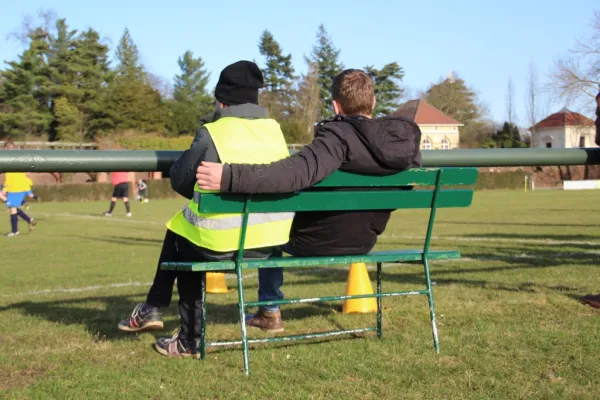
(510, 324)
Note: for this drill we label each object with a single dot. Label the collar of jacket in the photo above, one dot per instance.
(247, 110)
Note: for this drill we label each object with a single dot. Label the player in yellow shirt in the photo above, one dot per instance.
(15, 188)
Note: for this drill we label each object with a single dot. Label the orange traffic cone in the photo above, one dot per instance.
(359, 283)
(215, 282)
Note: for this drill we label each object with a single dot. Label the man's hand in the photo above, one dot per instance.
(208, 175)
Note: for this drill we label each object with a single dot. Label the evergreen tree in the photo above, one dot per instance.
(128, 56)
(453, 97)
(325, 56)
(70, 121)
(506, 138)
(278, 71)
(94, 75)
(387, 90)
(191, 99)
(63, 71)
(79, 72)
(133, 103)
(279, 78)
(26, 109)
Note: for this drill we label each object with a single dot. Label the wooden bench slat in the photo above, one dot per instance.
(290, 262)
(333, 201)
(412, 177)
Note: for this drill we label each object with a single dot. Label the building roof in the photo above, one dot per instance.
(564, 117)
(424, 113)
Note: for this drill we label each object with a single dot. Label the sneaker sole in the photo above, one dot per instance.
(163, 352)
(149, 326)
(277, 330)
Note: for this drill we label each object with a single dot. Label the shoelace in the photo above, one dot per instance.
(136, 311)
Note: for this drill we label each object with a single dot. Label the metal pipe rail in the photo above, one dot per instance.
(146, 161)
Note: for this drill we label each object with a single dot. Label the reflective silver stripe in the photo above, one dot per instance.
(233, 222)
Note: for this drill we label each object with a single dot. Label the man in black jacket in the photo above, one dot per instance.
(351, 141)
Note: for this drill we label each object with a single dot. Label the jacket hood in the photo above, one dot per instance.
(390, 140)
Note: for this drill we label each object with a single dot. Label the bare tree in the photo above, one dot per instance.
(160, 84)
(531, 98)
(577, 77)
(546, 104)
(510, 101)
(308, 103)
(46, 19)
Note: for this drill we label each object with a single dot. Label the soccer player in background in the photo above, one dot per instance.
(120, 181)
(15, 188)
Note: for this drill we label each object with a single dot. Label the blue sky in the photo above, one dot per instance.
(485, 42)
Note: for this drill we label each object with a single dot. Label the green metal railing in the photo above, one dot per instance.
(143, 160)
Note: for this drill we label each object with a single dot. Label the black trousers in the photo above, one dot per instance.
(189, 284)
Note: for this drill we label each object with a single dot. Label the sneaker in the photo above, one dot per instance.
(267, 321)
(107, 214)
(11, 234)
(143, 318)
(32, 225)
(592, 300)
(27, 207)
(128, 215)
(175, 347)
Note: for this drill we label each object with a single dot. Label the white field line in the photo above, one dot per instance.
(457, 238)
(96, 218)
(486, 239)
(232, 277)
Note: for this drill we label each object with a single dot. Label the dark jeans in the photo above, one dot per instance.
(271, 279)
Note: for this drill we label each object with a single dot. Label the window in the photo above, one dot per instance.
(445, 144)
(548, 145)
(426, 144)
(581, 141)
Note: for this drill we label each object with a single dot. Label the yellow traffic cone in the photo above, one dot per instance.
(359, 283)
(215, 282)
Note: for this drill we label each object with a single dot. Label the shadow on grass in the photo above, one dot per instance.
(101, 314)
(124, 240)
(517, 258)
(520, 236)
(516, 223)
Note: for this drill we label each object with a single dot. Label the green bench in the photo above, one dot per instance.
(360, 193)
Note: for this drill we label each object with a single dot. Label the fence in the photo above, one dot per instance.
(52, 145)
(144, 161)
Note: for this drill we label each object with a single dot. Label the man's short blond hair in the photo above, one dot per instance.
(353, 89)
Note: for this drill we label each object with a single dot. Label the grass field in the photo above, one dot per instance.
(509, 321)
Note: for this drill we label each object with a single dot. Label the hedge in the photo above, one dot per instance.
(161, 189)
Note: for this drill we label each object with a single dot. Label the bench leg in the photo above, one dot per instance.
(436, 344)
(203, 323)
(379, 303)
(242, 308)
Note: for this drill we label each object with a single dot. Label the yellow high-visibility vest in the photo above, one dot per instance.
(237, 141)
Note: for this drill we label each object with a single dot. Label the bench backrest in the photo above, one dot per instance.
(361, 192)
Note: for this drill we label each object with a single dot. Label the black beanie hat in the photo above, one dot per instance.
(239, 83)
